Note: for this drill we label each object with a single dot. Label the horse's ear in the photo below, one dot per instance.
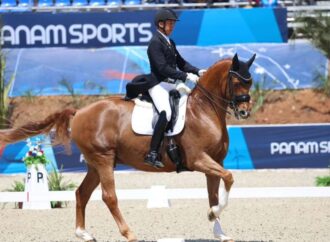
(249, 63)
(235, 64)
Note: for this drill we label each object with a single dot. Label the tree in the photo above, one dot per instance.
(4, 86)
(316, 28)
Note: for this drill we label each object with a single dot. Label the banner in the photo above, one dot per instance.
(49, 71)
(95, 30)
(250, 147)
(291, 146)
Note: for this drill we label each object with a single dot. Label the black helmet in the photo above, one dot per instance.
(165, 14)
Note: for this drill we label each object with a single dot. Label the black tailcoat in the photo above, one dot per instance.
(165, 60)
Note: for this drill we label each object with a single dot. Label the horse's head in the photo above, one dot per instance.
(238, 87)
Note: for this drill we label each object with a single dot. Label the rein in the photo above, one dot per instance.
(214, 99)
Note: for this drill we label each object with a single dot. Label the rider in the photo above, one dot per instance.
(167, 66)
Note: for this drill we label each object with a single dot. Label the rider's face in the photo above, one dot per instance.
(169, 26)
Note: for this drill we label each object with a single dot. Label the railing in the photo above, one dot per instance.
(289, 4)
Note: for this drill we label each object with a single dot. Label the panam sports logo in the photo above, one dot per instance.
(76, 34)
(294, 148)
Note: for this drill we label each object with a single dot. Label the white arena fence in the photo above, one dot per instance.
(159, 196)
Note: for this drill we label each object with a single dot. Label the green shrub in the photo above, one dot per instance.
(56, 183)
(323, 181)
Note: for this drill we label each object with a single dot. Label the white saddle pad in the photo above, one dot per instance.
(143, 113)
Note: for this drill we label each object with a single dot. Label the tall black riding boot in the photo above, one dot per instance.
(152, 158)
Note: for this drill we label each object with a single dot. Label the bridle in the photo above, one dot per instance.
(235, 100)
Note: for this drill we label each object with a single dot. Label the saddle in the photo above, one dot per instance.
(145, 116)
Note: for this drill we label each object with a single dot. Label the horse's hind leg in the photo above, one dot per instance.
(110, 198)
(83, 194)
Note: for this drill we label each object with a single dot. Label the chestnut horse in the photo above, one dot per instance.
(104, 135)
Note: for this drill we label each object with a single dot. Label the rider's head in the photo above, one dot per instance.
(165, 20)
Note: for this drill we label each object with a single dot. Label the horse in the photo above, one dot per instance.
(103, 133)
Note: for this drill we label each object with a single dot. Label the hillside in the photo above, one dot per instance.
(279, 107)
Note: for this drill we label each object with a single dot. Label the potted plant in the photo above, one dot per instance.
(36, 174)
(35, 156)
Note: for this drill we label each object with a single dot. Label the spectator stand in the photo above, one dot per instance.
(123, 5)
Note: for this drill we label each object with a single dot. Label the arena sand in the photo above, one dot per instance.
(245, 220)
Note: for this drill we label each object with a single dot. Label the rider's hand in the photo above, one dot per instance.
(192, 77)
(201, 72)
(182, 88)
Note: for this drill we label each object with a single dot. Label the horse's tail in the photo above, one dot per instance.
(59, 120)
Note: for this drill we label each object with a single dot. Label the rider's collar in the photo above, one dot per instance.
(165, 36)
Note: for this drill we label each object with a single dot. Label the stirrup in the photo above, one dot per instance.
(151, 159)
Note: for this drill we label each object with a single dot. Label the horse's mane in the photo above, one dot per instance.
(219, 62)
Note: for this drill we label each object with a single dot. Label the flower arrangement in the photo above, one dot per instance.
(35, 155)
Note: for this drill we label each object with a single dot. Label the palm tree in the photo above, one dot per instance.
(4, 87)
(316, 28)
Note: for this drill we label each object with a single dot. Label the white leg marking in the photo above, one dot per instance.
(223, 200)
(216, 210)
(84, 235)
(218, 233)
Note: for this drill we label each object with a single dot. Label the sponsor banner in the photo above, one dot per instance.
(250, 147)
(301, 146)
(77, 30)
(47, 71)
(89, 30)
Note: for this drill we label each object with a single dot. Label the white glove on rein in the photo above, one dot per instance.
(192, 77)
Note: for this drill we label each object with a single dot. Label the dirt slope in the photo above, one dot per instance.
(279, 107)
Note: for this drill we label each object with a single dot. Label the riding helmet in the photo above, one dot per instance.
(165, 14)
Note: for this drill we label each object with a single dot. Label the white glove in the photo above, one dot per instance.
(201, 72)
(192, 77)
(182, 88)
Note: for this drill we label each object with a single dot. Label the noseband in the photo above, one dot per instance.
(235, 99)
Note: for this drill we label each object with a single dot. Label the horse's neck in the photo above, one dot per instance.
(212, 90)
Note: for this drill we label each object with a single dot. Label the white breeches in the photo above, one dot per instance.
(160, 97)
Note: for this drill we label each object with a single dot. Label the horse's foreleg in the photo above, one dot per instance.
(213, 183)
(214, 171)
(216, 205)
(110, 199)
(83, 194)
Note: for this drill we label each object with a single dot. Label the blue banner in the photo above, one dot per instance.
(89, 30)
(250, 147)
(49, 71)
(298, 146)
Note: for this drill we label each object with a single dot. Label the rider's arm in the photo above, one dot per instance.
(157, 60)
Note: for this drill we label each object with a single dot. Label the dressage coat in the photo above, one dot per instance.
(165, 62)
